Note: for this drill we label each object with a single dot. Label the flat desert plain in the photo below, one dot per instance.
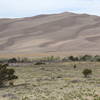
(58, 81)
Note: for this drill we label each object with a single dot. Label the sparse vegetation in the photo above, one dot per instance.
(53, 59)
(6, 75)
(54, 81)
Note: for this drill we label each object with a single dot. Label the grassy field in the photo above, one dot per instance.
(54, 82)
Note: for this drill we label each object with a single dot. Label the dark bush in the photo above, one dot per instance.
(12, 60)
(87, 72)
(74, 66)
(6, 74)
(72, 58)
(39, 63)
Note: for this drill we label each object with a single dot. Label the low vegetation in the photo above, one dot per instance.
(6, 75)
(54, 81)
(53, 59)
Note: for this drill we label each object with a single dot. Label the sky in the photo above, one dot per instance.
(27, 8)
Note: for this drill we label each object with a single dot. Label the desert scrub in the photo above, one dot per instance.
(68, 84)
(6, 75)
(87, 72)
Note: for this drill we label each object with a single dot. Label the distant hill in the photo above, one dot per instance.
(65, 33)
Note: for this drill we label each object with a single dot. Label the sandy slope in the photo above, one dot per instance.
(64, 33)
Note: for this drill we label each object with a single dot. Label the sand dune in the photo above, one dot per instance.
(64, 33)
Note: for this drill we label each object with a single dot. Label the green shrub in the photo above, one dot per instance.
(87, 72)
(12, 60)
(86, 58)
(6, 74)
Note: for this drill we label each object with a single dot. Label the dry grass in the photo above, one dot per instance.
(54, 82)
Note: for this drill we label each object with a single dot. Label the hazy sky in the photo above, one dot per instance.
(23, 8)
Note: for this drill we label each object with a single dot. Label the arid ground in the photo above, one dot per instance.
(55, 81)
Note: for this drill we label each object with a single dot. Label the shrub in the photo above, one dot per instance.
(12, 60)
(87, 72)
(86, 58)
(39, 63)
(6, 74)
(72, 58)
(74, 66)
